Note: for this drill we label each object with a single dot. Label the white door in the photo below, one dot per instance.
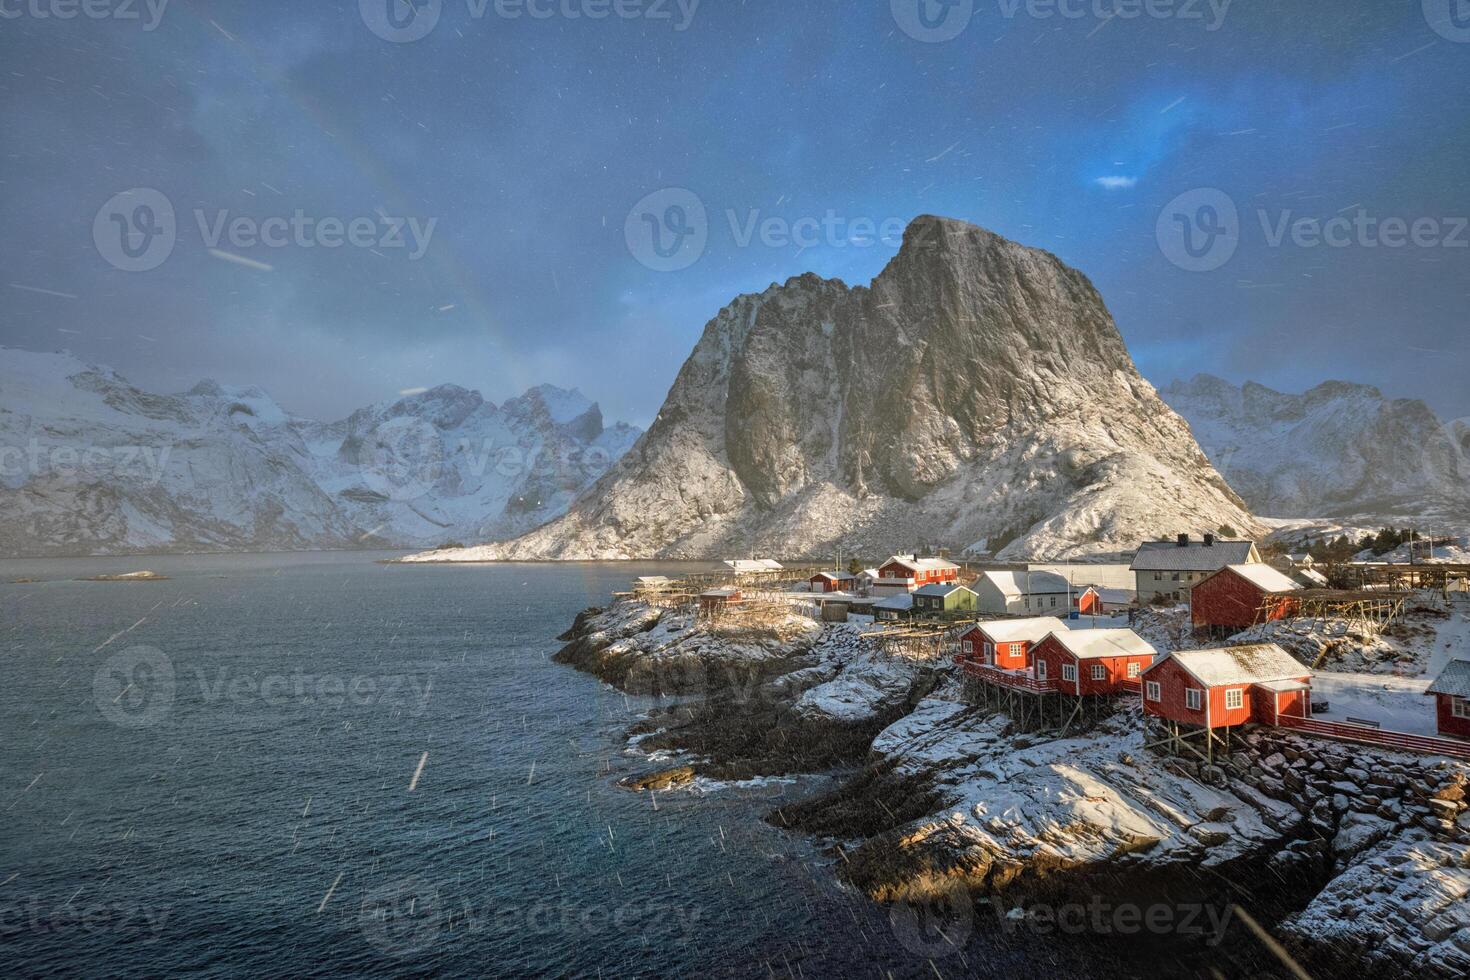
(1041, 670)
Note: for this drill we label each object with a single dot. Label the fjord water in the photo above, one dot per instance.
(319, 764)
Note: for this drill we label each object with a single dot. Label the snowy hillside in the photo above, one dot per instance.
(1338, 450)
(977, 390)
(90, 464)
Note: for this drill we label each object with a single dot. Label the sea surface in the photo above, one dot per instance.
(319, 764)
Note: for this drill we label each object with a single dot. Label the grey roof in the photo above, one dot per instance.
(940, 589)
(1455, 679)
(1168, 556)
(902, 602)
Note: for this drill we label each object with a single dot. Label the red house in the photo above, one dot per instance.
(1007, 643)
(1092, 661)
(1239, 596)
(832, 581)
(717, 600)
(1088, 603)
(1451, 690)
(1228, 686)
(909, 573)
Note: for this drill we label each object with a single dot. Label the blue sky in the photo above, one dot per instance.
(527, 140)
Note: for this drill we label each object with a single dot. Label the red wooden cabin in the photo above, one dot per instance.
(1229, 686)
(1240, 596)
(912, 573)
(1092, 661)
(832, 581)
(1089, 603)
(1007, 643)
(1451, 690)
(717, 600)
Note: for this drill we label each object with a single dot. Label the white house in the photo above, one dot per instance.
(1020, 593)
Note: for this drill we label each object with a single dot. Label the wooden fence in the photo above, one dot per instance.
(1403, 741)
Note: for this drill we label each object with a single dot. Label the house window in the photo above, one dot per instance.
(1069, 672)
(1028, 602)
(1053, 602)
(1234, 699)
(1099, 672)
(1460, 707)
(1193, 698)
(1135, 669)
(969, 647)
(1176, 576)
(1153, 691)
(1158, 576)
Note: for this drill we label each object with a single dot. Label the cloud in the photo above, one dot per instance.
(1116, 183)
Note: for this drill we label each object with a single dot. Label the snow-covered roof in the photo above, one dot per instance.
(753, 564)
(1311, 575)
(902, 602)
(1085, 644)
(1454, 679)
(940, 589)
(921, 564)
(1032, 630)
(1196, 556)
(1120, 597)
(654, 580)
(719, 593)
(1253, 664)
(835, 576)
(1025, 583)
(1291, 685)
(1264, 577)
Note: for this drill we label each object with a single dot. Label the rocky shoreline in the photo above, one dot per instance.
(1351, 856)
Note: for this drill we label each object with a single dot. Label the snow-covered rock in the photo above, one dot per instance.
(977, 389)
(90, 464)
(1340, 449)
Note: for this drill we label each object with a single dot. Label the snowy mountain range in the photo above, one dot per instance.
(1338, 450)
(90, 464)
(977, 393)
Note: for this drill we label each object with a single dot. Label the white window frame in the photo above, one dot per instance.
(1235, 699)
(1069, 672)
(1460, 707)
(1099, 672)
(1194, 699)
(1135, 669)
(969, 646)
(1153, 691)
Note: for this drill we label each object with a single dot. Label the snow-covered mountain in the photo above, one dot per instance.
(977, 392)
(1338, 450)
(90, 464)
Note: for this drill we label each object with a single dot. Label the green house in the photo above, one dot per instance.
(947, 597)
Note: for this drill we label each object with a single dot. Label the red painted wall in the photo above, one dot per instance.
(895, 570)
(1089, 604)
(1226, 599)
(1115, 669)
(1255, 703)
(1011, 656)
(1448, 723)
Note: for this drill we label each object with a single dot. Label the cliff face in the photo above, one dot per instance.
(1338, 450)
(977, 392)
